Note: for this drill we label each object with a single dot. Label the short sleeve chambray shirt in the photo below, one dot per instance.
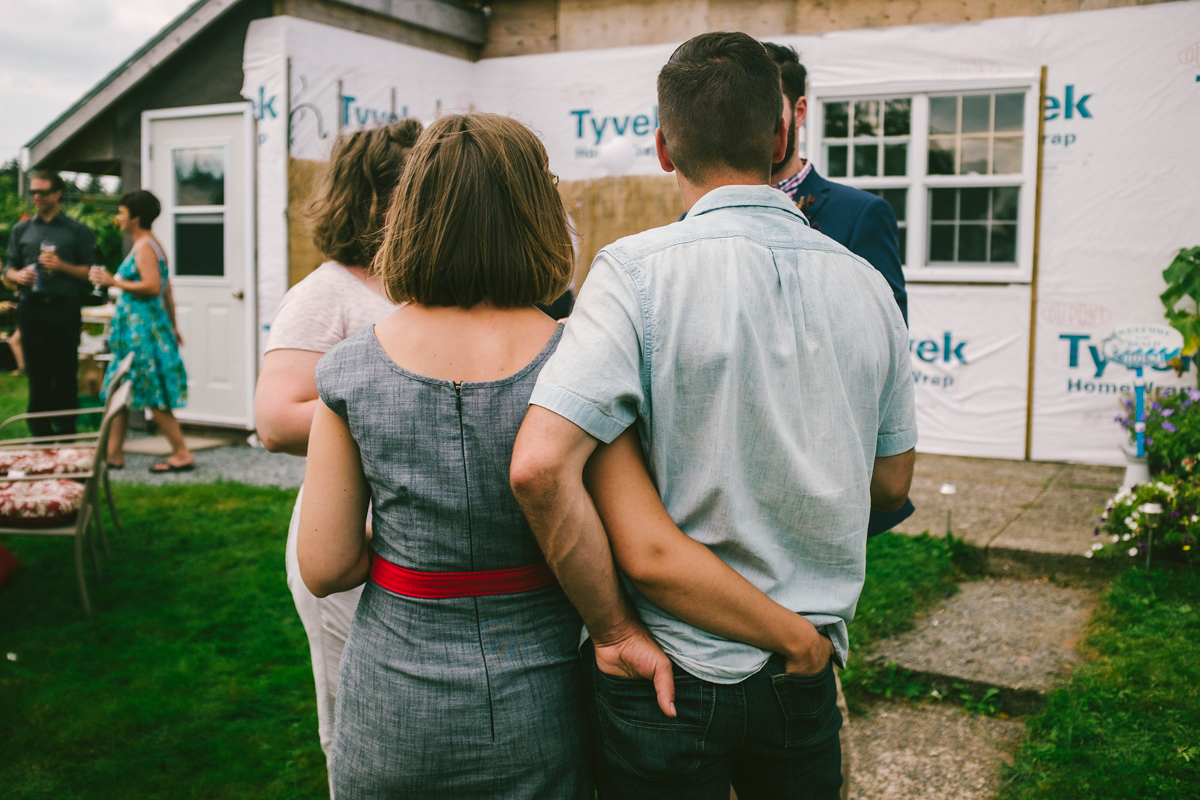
(766, 367)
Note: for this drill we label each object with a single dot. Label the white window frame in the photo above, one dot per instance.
(917, 269)
(224, 143)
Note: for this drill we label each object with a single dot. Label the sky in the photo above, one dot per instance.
(53, 51)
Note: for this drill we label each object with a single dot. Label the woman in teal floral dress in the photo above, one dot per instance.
(144, 324)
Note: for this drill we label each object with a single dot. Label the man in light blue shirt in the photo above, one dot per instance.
(767, 371)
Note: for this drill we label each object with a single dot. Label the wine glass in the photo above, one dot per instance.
(47, 247)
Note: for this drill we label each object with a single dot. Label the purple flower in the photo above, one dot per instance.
(1127, 402)
(1187, 403)
(1187, 539)
(1174, 515)
(1095, 532)
(1168, 412)
(1156, 406)
(1141, 546)
(1149, 442)
(1169, 427)
(1193, 394)
(1143, 417)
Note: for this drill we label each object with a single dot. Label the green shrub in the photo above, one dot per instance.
(1126, 527)
(1172, 421)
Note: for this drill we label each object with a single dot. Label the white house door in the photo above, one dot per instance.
(197, 161)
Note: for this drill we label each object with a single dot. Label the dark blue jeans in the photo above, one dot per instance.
(773, 735)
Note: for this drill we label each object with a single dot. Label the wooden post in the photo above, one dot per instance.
(1033, 284)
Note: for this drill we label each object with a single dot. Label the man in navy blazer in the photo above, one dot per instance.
(859, 221)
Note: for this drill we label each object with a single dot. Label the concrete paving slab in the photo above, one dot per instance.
(978, 512)
(1014, 635)
(929, 752)
(1061, 521)
(1034, 518)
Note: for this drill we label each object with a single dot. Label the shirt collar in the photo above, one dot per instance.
(789, 185)
(760, 195)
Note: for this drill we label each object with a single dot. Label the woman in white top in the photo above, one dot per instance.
(335, 302)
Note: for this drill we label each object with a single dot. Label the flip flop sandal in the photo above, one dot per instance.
(166, 466)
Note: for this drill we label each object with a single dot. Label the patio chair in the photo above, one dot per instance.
(73, 442)
(62, 504)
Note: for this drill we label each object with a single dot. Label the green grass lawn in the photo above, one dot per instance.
(193, 678)
(14, 397)
(1127, 724)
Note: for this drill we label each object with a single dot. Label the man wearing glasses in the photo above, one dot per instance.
(48, 258)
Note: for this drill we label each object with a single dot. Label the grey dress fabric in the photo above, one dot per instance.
(461, 697)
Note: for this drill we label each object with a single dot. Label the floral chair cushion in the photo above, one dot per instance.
(39, 504)
(47, 461)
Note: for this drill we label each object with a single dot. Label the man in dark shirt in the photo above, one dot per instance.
(48, 257)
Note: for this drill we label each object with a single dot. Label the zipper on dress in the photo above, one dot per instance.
(462, 433)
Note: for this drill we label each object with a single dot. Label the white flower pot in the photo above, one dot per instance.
(1137, 470)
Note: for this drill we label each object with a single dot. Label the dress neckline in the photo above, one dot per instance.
(377, 346)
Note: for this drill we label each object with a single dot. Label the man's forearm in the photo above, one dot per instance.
(568, 529)
(547, 479)
(73, 270)
(676, 572)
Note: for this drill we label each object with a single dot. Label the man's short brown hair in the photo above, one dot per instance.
(719, 105)
(56, 181)
(476, 216)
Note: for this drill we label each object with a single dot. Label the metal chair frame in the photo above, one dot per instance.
(75, 439)
(89, 510)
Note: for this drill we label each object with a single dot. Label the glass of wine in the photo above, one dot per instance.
(47, 247)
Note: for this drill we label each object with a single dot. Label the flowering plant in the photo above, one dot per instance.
(1127, 522)
(1172, 420)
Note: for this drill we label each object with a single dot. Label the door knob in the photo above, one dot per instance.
(239, 295)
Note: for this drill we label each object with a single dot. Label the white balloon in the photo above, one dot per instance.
(616, 156)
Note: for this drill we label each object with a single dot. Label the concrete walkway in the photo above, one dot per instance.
(1033, 518)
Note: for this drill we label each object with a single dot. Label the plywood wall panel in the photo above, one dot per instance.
(605, 209)
(303, 255)
(521, 28)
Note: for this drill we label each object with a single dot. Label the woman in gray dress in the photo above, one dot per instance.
(460, 677)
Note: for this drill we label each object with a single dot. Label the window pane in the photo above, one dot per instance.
(941, 156)
(200, 244)
(200, 176)
(1004, 244)
(941, 243)
(866, 118)
(903, 246)
(1004, 202)
(1010, 112)
(943, 115)
(897, 199)
(973, 203)
(974, 157)
(977, 112)
(896, 115)
(895, 159)
(866, 159)
(942, 204)
(837, 125)
(835, 160)
(1007, 158)
(972, 242)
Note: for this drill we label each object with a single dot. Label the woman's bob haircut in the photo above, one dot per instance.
(476, 217)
